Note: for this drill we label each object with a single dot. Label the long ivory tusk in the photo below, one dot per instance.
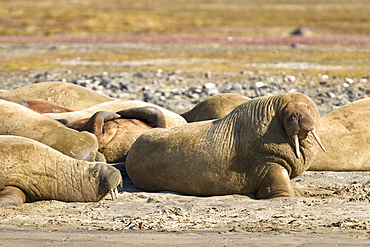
(116, 190)
(318, 140)
(296, 143)
(114, 194)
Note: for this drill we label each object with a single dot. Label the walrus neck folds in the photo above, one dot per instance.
(250, 120)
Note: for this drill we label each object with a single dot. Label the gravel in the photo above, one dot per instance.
(179, 91)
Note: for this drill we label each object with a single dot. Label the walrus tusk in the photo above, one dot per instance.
(114, 194)
(318, 140)
(296, 143)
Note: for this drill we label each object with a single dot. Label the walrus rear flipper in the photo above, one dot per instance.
(63, 121)
(94, 124)
(152, 116)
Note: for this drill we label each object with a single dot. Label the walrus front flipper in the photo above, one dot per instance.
(275, 183)
(11, 196)
(152, 116)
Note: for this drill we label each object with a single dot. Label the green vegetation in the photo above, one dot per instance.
(311, 61)
(196, 18)
(190, 17)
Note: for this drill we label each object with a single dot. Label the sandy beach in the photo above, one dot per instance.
(329, 209)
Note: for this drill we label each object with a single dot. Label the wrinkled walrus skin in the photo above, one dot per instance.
(20, 121)
(172, 118)
(250, 151)
(31, 171)
(214, 107)
(63, 94)
(345, 133)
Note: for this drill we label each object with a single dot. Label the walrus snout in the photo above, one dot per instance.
(299, 123)
(109, 179)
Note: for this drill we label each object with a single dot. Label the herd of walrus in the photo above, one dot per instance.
(60, 141)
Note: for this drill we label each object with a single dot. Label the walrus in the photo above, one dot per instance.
(116, 132)
(254, 150)
(42, 106)
(21, 121)
(171, 118)
(214, 107)
(346, 135)
(63, 94)
(31, 171)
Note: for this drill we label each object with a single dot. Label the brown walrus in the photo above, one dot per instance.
(172, 118)
(116, 132)
(31, 171)
(256, 149)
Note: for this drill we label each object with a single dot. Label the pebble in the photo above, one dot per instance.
(179, 91)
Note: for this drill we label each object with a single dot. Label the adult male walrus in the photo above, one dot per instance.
(256, 149)
(63, 94)
(214, 107)
(31, 171)
(116, 132)
(346, 134)
(21, 121)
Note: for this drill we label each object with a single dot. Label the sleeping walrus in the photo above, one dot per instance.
(172, 118)
(63, 94)
(116, 132)
(31, 171)
(21, 121)
(256, 149)
(214, 107)
(346, 134)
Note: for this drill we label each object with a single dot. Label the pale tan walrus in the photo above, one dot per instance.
(116, 132)
(256, 149)
(345, 133)
(21, 121)
(214, 107)
(63, 94)
(31, 171)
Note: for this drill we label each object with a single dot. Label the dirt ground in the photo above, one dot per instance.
(329, 208)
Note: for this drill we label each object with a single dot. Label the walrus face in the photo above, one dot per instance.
(107, 178)
(299, 123)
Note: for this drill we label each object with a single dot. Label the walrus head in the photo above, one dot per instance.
(107, 178)
(299, 124)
